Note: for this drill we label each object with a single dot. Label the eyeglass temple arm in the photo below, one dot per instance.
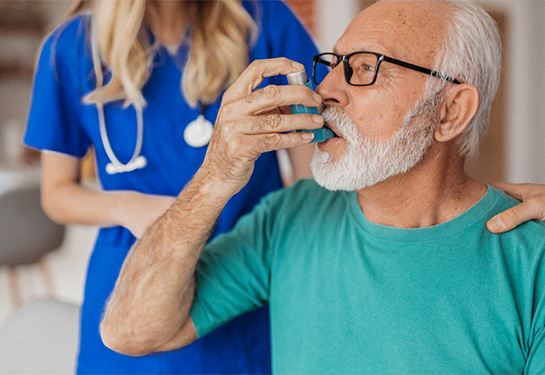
(420, 69)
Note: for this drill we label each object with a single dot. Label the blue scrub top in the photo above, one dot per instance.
(58, 121)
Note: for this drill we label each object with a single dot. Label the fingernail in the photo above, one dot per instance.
(317, 119)
(317, 98)
(496, 223)
(307, 136)
(297, 65)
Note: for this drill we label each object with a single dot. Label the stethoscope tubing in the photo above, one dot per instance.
(137, 161)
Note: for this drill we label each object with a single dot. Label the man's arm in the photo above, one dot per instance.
(532, 206)
(149, 308)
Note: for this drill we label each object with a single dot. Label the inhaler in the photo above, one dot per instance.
(300, 78)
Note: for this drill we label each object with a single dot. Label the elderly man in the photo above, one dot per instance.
(390, 268)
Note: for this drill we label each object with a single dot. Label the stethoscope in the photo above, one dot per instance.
(196, 134)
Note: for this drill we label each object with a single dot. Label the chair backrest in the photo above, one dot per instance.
(26, 233)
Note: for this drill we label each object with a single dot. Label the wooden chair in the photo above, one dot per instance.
(26, 236)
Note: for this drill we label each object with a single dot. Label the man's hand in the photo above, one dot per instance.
(250, 122)
(532, 206)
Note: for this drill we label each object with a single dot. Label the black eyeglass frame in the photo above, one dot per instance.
(380, 58)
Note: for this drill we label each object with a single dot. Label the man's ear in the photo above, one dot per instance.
(457, 110)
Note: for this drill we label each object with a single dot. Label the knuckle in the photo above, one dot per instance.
(275, 121)
(254, 66)
(228, 110)
(267, 143)
(538, 202)
(284, 59)
(261, 144)
(233, 147)
(271, 93)
(511, 215)
(273, 140)
(258, 125)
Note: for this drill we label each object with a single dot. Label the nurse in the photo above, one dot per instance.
(140, 82)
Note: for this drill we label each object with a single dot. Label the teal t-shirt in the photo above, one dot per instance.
(350, 296)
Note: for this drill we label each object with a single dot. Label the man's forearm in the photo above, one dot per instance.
(152, 298)
(149, 307)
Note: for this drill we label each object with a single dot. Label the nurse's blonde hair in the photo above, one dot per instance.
(220, 35)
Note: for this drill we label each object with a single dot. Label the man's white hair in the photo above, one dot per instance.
(472, 54)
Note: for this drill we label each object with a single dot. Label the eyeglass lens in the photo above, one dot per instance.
(360, 69)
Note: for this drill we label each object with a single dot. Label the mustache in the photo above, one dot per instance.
(337, 120)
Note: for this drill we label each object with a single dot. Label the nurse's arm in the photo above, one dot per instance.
(300, 158)
(149, 307)
(66, 201)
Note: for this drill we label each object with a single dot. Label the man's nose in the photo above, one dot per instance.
(332, 87)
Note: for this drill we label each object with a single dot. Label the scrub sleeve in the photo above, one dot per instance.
(59, 121)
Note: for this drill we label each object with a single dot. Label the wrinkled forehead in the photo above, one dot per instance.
(412, 30)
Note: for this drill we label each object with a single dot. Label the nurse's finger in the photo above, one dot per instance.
(517, 191)
(278, 123)
(272, 97)
(514, 216)
(254, 74)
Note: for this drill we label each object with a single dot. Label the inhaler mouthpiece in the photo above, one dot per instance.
(300, 78)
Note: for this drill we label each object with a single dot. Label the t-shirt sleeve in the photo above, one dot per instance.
(52, 122)
(232, 275)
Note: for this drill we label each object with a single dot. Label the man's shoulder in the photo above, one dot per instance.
(504, 202)
(528, 239)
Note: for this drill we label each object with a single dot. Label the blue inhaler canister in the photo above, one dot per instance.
(300, 78)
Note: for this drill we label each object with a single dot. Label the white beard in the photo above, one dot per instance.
(367, 162)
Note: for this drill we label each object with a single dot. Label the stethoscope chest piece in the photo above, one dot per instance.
(198, 132)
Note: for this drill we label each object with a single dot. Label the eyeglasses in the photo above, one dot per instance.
(361, 67)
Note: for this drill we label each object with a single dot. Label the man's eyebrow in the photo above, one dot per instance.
(352, 50)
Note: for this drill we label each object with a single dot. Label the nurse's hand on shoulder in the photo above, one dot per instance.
(142, 211)
(532, 206)
(250, 122)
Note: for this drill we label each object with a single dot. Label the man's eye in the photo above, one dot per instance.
(334, 64)
(365, 69)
